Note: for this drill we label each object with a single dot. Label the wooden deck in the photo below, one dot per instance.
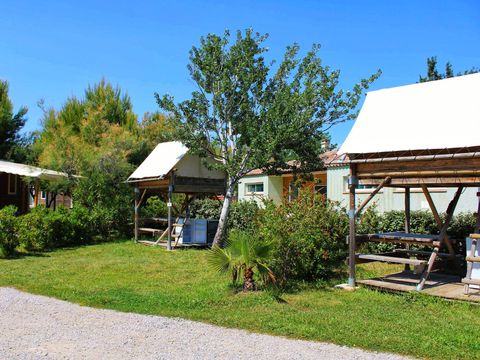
(445, 286)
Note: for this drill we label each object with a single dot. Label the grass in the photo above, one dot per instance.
(134, 278)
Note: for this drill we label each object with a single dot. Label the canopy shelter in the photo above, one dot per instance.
(417, 136)
(170, 168)
(15, 189)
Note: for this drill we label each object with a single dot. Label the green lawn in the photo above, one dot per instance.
(135, 278)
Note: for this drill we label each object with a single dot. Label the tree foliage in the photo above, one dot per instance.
(434, 74)
(10, 125)
(99, 138)
(247, 113)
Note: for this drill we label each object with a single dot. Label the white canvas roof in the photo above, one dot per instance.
(169, 155)
(30, 171)
(435, 115)
(160, 161)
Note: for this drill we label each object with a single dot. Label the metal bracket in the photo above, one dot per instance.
(351, 214)
(352, 181)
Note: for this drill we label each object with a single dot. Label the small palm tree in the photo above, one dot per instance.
(243, 255)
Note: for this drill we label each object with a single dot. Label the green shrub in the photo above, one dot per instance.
(243, 215)
(8, 230)
(309, 238)
(205, 208)
(34, 230)
(154, 207)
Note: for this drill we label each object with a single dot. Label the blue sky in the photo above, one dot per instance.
(53, 49)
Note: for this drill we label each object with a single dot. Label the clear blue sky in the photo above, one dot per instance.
(54, 49)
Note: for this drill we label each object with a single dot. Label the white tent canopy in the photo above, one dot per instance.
(435, 115)
(30, 171)
(172, 155)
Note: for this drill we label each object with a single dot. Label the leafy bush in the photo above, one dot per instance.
(308, 236)
(43, 229)
(243, 215)
(8, 230)
(34, 232)
(154, 207)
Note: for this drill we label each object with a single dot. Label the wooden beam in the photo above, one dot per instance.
(352, 233)
(473, 250)
(136, 216)
(441, 166)
(472, 181)
(372, 194)
(438, 220)
(37, 190)
(169, 207)
(407, 219)
(443, 232)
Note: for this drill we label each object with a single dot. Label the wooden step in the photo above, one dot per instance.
(390, 259)
(471, 281)
(475, 236)
(423, 253)
(473, 258)
(150, 230)
(148, 243)
(400, 238)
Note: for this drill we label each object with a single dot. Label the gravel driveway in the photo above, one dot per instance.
(38, 327)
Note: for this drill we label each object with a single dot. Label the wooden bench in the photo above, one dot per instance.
(401, 238)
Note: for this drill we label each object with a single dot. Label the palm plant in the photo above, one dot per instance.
(243, 255)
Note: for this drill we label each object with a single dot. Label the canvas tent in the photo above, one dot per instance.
(170, 168)
(12, 173)
(415, 136)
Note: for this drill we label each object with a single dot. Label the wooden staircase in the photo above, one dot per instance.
(471, 259)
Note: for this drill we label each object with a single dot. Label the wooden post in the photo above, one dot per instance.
(473, 249)
(437, 218)
(37, 191)
(137, 192)
(441, 237)
(169, 207)
(352, 183)
(365, 202)
(407, 219)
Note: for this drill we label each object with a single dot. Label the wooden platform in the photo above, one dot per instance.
(445, 286)
(178, 246)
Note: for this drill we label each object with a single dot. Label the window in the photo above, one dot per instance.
(12, 184)
(360, 187)
(43, 195)
(256, 188)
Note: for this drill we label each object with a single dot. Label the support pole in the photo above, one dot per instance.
(473, 250)
(137, 192)
(352, 184)
(407, 219)
(169, 207)
(441, 237)
(365, 202)
(37, 192)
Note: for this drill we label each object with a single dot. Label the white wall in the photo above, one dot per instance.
(393, 199)
(272, 188)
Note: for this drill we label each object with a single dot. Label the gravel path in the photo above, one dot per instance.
(38, 327)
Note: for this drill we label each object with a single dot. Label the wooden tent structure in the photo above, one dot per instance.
(417, 136)
(170, 169)
(15, 189)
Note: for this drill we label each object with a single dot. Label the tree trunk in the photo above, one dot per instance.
(222, 222)
(248, 282)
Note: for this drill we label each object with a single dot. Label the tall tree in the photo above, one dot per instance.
(245, 114)
(10, 124)
(434, 74)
